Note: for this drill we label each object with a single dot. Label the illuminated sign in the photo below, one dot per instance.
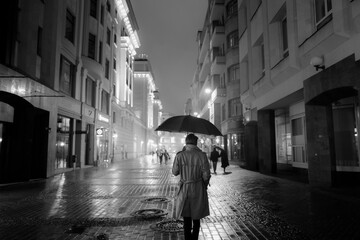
(99, 132)
(102, 118)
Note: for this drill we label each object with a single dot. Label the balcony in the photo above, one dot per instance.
(205, 69)
(204, 46)
(218, 65)
(94, 68)
(217, 35)
(216, 9)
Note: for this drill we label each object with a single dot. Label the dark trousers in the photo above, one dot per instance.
(193, 224)
(214, 165)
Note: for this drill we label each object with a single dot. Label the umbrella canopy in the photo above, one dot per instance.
(188, 124)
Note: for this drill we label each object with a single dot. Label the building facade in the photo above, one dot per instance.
(295, 81)
(66, 86)
(147, 105)
(215, 88)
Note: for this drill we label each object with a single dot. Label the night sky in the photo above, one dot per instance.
(167, 33)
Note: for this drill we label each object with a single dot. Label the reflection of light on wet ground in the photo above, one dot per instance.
(59, 193)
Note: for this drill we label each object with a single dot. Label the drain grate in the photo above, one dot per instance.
(169, 225)
(156, 200)
(149, 213)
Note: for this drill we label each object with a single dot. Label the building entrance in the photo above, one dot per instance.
(345, 122)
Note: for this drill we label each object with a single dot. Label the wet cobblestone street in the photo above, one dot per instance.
(99, 203)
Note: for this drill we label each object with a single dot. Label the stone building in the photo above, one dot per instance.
(66, 86)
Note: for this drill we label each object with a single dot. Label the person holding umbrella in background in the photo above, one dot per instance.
(224, 158)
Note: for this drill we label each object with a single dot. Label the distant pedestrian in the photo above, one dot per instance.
(166, 156)
(192, 201)
(224, 158)
(214, 157)
(161, 156)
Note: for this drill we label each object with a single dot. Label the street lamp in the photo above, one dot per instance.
(208, 90)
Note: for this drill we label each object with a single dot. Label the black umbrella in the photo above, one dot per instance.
(188, 124)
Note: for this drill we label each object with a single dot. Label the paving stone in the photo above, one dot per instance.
(243, 205)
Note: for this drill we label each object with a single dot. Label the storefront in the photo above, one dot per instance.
(332, 124)
(103, 134)
(24, 131)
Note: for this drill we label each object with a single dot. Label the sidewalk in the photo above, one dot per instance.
(99, 203)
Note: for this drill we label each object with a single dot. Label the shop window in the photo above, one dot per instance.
(70, 26)
(67, 80)
(6, 112)
(63, 142)
(345, 112)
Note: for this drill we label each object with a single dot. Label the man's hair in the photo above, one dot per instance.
(191, 139)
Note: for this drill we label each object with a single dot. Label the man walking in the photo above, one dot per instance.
(192, 199)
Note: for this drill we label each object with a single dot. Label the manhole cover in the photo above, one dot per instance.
(169, 225)
(156, 200)
(149, 213)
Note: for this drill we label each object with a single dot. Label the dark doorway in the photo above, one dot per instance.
(38, 162)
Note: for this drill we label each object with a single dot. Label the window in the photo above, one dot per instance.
(234, 107)
(115, 39)
(297, 126)
(100, 52)
(234, 73)
(233, 39)
(262, 58)
(91, 46)
(285, 46)
(70, 26)
(93, 8)
(223, 112)
(254, 6)
(107, 70)
(63, 142)
(322, 10)
(39, 41)
(108, 36)
(90, 92)
(66, 76)
(105, 102)
(102, 14)
(108, 6)
(114, 63)
(231, 8)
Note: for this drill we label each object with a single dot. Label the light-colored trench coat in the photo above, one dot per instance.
(194, 169)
